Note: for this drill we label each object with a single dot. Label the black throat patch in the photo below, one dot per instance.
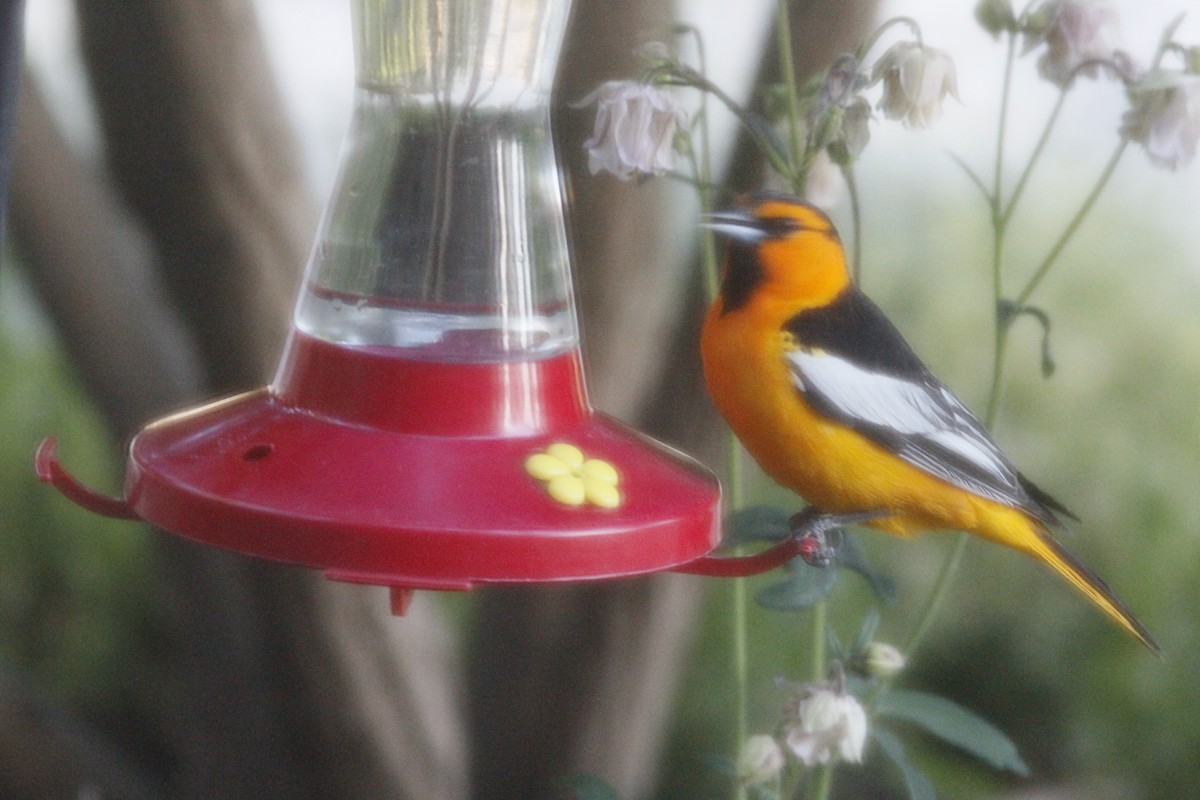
(743, 274)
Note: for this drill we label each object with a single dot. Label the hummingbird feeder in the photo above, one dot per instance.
(428, 426)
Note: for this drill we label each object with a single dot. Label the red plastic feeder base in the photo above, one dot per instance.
(417, 475)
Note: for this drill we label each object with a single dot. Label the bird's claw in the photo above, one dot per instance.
(820, 535)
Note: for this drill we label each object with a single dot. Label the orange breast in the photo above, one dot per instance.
(832, 467)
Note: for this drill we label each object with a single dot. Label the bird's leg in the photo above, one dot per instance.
(820, 535)
(815, 537)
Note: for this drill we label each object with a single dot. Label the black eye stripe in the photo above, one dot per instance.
(778, 227)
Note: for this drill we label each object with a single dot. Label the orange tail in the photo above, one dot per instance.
(1046, 548)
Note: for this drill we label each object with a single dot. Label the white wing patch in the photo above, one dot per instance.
(922, 422)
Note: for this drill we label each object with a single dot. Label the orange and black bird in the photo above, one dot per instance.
(832, 402)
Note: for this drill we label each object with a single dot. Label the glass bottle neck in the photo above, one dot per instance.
(460, 52)
(445, 236)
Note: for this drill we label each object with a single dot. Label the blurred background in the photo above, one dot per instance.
(133, 666)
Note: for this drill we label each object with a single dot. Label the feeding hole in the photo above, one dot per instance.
(258, 452)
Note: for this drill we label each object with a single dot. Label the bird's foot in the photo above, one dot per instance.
(820, 535)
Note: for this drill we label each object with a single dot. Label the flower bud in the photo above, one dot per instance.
(856, 131)
(1191, 58)
(653, 52)
(1037, 23)
(995, 16)
(1080, 36)
(841, 81)
(883, 661)
(760, 761)
(830, 126)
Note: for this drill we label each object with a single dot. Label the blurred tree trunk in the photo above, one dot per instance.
(276, 683)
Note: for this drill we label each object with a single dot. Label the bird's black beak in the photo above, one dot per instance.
(736, 224)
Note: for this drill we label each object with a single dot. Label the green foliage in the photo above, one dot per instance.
(915, 782)
(72, 585)
(953, 724)
(804, 586)
(853, 557)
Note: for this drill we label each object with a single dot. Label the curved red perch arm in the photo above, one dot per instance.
(744, 566)
(805, 525)
(50, 471)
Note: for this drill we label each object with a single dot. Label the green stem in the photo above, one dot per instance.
(701, 182)
(999, 229)
(940, 589)
(703, 169)
(824, 784)
(741, 671)
(866, 46)
(685, 76)
(739, 608)
(1101, 183)
(787, 65)
(1074, 224)
(1005, 96)
(856, 218)
(702, 166)
(999, 351)
(818, 672)
(708, 252)
(1038, 149)
(819, 668)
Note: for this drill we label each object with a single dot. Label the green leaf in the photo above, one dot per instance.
(833, 646)
(756, 524)
(866, 633)
(955, 725)
(851, 556)
(804, 587)
(975, 179)
(589, 787)
(919, 787)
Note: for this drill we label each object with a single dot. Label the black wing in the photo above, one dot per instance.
(854, 367)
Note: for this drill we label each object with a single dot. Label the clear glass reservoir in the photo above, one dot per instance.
(445, 236)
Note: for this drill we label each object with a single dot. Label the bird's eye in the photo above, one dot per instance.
(779, 227)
